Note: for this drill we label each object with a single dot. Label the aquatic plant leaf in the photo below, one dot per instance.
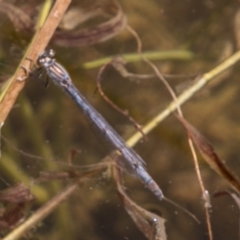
(150, 224)
(75, 16)
(19, 18)
(18, 200)
(14, 214)
(80, 173)
(235, 197)
(207, 151)
(92, 35)
(16, 194)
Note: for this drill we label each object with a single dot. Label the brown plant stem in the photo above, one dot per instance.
(41, 213)
(36, 47)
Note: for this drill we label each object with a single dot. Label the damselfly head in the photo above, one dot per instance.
(47, 53)
(46, 58)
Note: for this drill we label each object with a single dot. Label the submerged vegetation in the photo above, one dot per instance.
(138, 63)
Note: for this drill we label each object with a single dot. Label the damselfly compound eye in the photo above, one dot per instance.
(51, 53)
(41, 60)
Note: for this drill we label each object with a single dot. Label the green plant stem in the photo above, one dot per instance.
(134, 57)
(186, 95)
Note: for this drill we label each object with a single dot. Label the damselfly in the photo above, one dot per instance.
(123, 155)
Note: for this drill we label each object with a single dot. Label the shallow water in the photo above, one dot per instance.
(45, 123)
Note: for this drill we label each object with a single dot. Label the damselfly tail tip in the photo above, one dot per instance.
(160, 196)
